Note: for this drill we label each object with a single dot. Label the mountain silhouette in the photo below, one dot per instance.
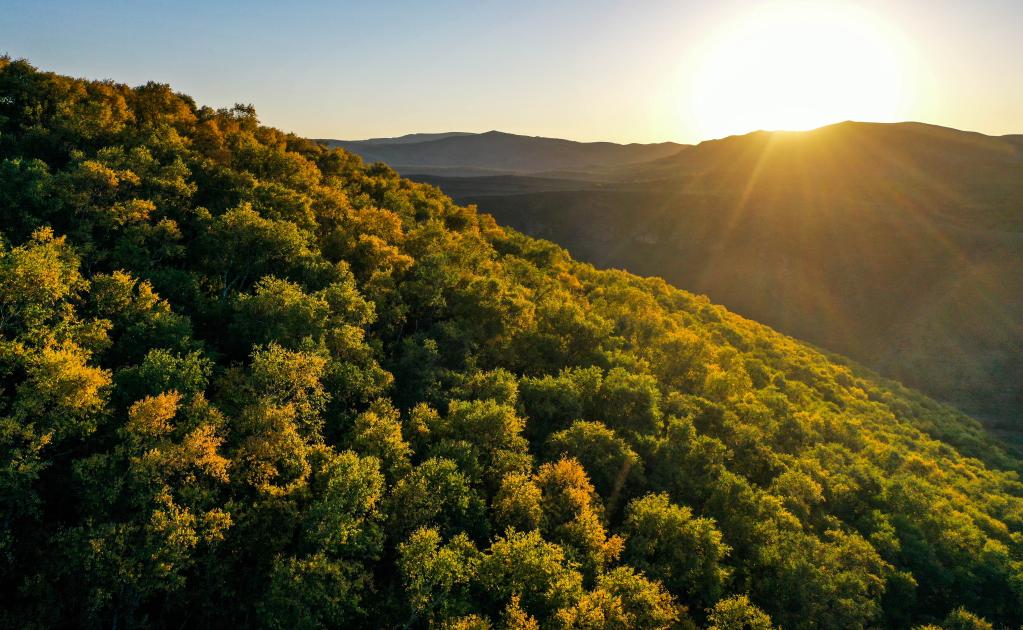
(495, 152)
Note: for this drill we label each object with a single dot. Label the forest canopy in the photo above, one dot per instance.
(247, 380)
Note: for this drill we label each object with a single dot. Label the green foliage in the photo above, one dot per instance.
(668, 543)
(312, 592)
(614, 468)
(737, 613)
(962, 619)
(436, 492)
(246, 380)
(436, 578)
(527, 566)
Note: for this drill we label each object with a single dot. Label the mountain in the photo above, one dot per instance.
(897, 244)
(495, 152)
(250, 381)
(411, 138)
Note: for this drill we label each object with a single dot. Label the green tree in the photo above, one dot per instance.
(737, 613)
(614, 468)
(435, 493)
(525, 565)
(684, 552)
(437, 577)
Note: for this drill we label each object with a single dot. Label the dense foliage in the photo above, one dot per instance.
(248, 380)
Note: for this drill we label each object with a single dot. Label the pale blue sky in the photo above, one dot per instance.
(579, 69)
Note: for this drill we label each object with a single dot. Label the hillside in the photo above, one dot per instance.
(897, 244)
(246, 380)
(498, 153)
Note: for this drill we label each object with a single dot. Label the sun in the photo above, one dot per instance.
(797, 66)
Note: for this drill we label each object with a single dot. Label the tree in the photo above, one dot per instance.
(518, 503)
(628, 599)
(437, 577)
(572, 516)
(323, 582)
(378, 432)
(630, 402)
(280, 312)
(437, 494)
(962, 619)
(313, 592)
(536, 571)
(491, 434)
(614, 468)
(35, 279)
(684, 552)
(241, 247)
(737, 613)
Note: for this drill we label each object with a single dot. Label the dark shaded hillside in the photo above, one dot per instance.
(250, 381)
(495, 152)
(899, 245)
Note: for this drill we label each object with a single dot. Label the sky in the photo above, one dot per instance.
(641, 71)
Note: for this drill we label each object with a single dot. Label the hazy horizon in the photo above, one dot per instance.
(743, 133)
(595, 71)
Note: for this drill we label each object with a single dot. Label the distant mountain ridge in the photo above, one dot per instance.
(496, 152)
(898, 244)
(410, 138)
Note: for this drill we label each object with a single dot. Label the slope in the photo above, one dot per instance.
(249, 381)
(897, 244)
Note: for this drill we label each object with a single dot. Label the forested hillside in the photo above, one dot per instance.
(250, 381)
(899, 245)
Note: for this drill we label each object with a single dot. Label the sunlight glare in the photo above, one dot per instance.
(797, 66)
